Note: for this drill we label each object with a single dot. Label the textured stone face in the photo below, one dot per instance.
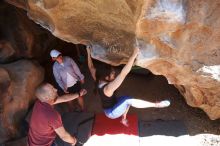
(179, 39)
(18, 81)
(105, 23)
(20, 37)
(182, 42)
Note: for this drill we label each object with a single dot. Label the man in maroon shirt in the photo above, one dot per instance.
(45, 121)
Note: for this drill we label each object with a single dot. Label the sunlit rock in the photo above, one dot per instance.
(179, 39)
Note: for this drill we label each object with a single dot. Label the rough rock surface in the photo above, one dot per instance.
(20, 37)
(179, 39)
(18, 81)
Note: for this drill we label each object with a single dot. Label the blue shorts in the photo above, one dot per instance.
(119, 108)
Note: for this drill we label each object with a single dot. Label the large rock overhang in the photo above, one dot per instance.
(179, 39)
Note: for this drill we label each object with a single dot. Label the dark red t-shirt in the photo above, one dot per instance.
(44, 120)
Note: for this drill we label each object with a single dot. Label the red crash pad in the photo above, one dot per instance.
(103, 125)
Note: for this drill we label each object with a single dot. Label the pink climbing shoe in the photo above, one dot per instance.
(162, 104)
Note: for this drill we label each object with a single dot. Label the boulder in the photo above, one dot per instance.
(20, 37)
(18, 81)
(179, 39)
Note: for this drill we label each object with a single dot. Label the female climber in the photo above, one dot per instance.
(106, 85)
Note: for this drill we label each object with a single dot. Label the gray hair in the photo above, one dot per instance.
(42, 92)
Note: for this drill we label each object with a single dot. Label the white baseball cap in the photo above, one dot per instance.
(54, 53)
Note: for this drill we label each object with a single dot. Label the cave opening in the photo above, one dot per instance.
(22, 39)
